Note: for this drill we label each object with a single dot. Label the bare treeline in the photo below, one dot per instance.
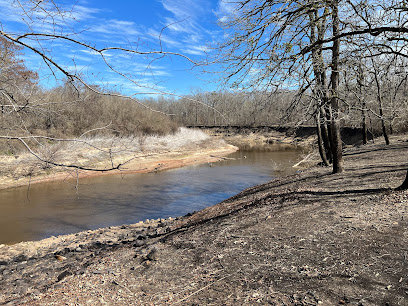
(359, 95)
(226, 108)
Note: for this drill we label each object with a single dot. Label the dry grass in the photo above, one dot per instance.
(103, 152)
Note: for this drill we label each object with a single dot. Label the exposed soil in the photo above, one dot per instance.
(307, 239)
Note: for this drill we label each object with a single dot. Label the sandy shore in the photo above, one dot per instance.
(143, 163)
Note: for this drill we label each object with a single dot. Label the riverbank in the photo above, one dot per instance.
(260, 138)
(307, 239)
(150, 154)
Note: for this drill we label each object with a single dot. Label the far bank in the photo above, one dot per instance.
(130, 155)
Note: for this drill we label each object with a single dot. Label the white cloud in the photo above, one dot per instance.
(81, 57)
(196, 50)
(179, 28)
(94, 53)
(139, 87)
(113, 26)
(76, 68)
(225, 10)
(182, 10)
(185, 17)
(162, 37)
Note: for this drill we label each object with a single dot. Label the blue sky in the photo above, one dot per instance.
(184, 26)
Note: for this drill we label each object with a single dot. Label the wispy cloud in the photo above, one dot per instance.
(196, 50)
(161, 37)
(185, 18)
(225, 10)
(176, 27)
(139, 87)
(122, 27)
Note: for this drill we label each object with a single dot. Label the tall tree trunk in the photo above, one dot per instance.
(334, 102)
(371, 127)
(404, 185)
(360, 82)
(322, 150)
(317, 31)
(384, 129)
(364, 123)
(326, 132)
(379, 99)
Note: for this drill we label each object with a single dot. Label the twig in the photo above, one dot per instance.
(303, 160)
(115, 282)
(222, 157)
(201, 289)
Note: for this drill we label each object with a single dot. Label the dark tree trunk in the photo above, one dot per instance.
(338, 166)
(322, 150)
(317, 31)
(360, 82)
(334, 103)
(326, 132)
(379, 99)
(404, 185)
(371, 128)
(364, 123)
(384, 129)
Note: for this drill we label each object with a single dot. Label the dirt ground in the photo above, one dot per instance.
(313, 238)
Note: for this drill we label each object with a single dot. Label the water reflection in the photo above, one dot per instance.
(55, 208)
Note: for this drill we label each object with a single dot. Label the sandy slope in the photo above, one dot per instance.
(141, 163)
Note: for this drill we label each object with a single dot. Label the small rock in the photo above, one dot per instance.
(59, 257)
(63, 275)
(139, 243)
(152, 255)
(20, 258)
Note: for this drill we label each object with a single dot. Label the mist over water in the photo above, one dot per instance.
(52, 209)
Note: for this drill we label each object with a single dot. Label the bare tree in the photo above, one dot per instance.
(277, 43)
(48, 23)
(284, 43)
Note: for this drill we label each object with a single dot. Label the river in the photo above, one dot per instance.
(56, 208)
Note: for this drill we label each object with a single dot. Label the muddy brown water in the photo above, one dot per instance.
(52, 209)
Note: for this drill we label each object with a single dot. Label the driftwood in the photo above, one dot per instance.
(302, 161)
